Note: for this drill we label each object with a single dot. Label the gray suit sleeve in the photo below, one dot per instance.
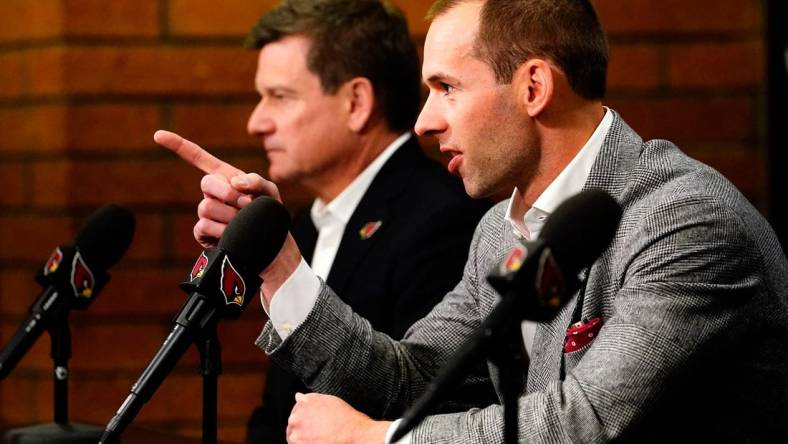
(337, 352)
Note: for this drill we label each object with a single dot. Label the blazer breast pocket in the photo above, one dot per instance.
(579, 337)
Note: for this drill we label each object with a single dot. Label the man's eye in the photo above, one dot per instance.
(448, 89)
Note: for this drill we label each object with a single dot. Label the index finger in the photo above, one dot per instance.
(195, 155)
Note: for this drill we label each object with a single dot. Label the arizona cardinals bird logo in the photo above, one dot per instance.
(53, 262)
(199, 267)
(233, 285)
(82, 278)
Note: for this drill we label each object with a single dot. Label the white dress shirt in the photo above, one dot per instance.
(566, 185)
(330, 220)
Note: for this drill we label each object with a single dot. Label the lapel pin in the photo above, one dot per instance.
(369, 229)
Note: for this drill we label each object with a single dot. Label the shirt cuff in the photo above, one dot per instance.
(294, 300)
(404, 440)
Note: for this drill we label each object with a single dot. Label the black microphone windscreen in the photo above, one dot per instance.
(581, 228)
(105, 236)
(256, 234)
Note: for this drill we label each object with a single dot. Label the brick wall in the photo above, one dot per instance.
(85, 83)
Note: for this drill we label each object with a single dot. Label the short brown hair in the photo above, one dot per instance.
(567, 32)
(353, 38)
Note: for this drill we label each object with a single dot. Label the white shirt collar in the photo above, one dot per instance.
(343, 206)
(567, 184)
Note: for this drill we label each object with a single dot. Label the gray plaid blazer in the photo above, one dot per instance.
(694, 345)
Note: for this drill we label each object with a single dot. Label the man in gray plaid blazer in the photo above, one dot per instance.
(687, 305)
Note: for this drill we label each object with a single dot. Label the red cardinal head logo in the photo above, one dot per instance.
(53, 262)
(514, 260)
(82, 278)
(233, 285)
(199, 267)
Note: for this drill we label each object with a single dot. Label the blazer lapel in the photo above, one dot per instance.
(374, 208)
(616, 159)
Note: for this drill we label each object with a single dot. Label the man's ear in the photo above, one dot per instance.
(533, 85)
(359, 98)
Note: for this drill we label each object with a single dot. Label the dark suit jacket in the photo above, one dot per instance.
(408, 264)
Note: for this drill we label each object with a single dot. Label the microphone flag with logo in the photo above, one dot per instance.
(72, 277)
(220, 285)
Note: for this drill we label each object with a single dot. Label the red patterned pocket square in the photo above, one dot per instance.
(580, 334)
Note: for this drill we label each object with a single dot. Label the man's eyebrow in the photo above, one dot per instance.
(282, 88)
(279, 88)
(439, 77)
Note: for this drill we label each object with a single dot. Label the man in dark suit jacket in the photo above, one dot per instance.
(339, 87)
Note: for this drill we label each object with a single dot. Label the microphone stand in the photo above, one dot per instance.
(60, 335)
(61, 431)
(499, 339)
(210, 369)
(506, 353)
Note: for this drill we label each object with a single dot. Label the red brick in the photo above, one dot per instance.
(51, 183)
(230, 430)
(145, 70)
(33, 128)
(185, 248)
(36, 361)
(633, 67)
(214, 126)
(25, 400)
(115, 347)
(31, 239)
(96, 397)
(149, 239)
(25, 20)
(240, 394)
(130, 183)
(415, 11)
(13, 183)
(84, 127)
(18, 291)
(716, 66)
(681, 119)
(45, 74)
(140, 294)
(113, 126)
(679, 16)
(214, 18)
(233, 432)
(12, 73)
(97, 18)
(178, 398)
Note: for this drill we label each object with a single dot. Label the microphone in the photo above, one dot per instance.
(573, 237)
(535, 281)
(221, 283)
(72, 277)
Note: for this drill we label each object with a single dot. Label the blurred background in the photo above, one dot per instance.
(85, 83)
